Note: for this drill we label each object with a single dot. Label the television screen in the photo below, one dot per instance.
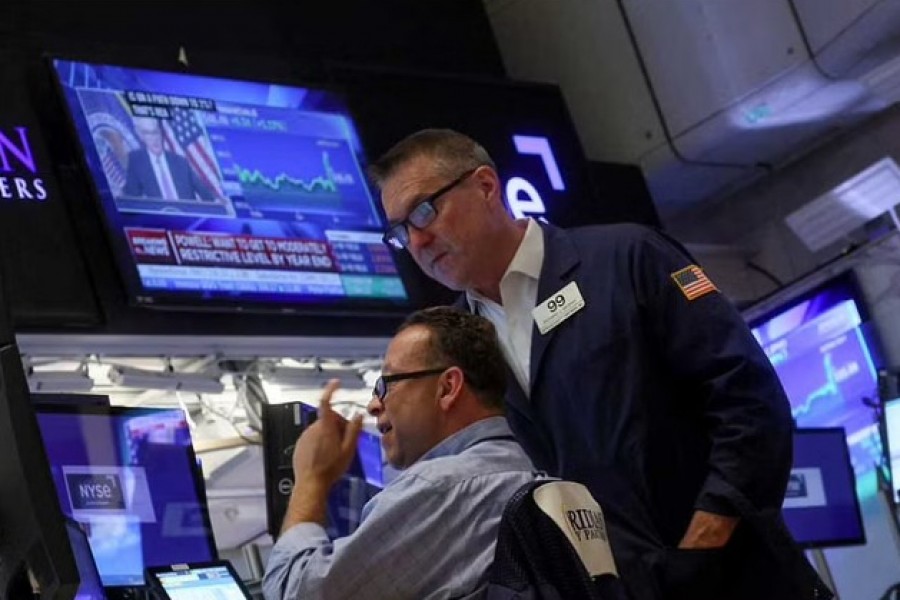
(227, 193)
(892, 436)
(129, 476)
(824, 360)
(821, 508)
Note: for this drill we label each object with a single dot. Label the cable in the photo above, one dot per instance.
(231, 422)
(249, 388)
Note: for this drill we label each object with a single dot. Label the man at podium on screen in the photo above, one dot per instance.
(154, 172)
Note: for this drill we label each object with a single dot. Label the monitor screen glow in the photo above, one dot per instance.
(823, 357)
(227, 193)
(821, 507)
(210, 582)
(129, 477)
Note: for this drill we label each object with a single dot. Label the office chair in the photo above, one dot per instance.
(553, 545)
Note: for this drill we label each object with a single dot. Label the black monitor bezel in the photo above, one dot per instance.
(49, 552)
(125, 268)
(845, 280)
(841, 542)
(117, 411)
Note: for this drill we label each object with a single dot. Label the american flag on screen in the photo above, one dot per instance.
(693, 282)
(184, 136)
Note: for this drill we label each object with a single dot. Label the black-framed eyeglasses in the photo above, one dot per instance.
(421, 216)
(381, 384)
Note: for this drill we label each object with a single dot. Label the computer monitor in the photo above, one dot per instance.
(892, 443)
(130, 477)
(282, 425)
(33, 536)
(821, 507)
(215, 580)
(824, 354)
(231, 194)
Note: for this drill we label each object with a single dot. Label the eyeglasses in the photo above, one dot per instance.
(381, 389)
(421, 216)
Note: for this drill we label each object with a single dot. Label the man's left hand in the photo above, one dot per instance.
(708, 530)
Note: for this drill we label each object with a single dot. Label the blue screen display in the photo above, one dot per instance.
(201, 583)
(129, 479)
(364, 478)
(821, 507)
(231, 191)
(892, 433)
(824, 361)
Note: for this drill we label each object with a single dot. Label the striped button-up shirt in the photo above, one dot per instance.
(429, 534)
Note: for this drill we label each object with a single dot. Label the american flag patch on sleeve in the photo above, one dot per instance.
(693, 282)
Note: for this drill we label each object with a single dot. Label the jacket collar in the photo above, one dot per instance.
(560, 260)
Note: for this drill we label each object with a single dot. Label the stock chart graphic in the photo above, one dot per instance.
(825, 364)
(282, 173)
(230, 193)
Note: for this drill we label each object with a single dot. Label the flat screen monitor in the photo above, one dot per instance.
(130, 478)
(209, 581)
(282, 426)
(821, 507)
(821, 349)
(219, 193)
(892, 439)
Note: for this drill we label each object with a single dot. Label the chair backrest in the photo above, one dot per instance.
(552, 544)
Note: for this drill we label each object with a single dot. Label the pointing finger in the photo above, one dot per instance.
(325, 400)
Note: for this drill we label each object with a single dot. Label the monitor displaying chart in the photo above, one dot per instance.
(220, 192)
(820, 349)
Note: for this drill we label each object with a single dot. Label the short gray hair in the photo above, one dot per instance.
(451, 151)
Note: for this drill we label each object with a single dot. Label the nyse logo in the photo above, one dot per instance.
(19, 178)
(522, 196)
(95, 491)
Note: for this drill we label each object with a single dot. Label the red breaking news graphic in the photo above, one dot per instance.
(158, 246)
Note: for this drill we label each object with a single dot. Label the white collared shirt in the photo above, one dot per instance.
(518, 294)
(163, 177)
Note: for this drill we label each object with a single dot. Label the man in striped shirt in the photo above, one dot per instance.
(431, 532)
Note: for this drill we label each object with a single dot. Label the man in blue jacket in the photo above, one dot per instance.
(629, 372)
